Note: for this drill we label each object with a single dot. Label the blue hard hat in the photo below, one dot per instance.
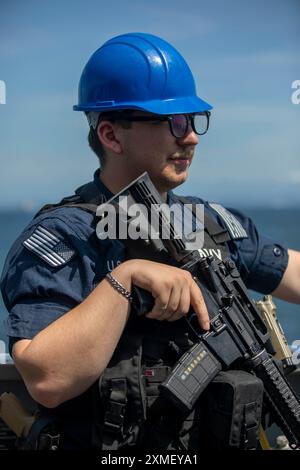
(138, 71)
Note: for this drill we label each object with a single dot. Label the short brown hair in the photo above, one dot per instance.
(96, 146)
(93, 139)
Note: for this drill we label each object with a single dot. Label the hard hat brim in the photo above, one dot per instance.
(185, 105)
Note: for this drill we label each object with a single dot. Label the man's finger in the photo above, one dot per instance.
(200, 308)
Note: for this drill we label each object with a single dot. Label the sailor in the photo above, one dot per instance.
(69, 324)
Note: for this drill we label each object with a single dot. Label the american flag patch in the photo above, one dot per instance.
(49, 247)
(234, 226)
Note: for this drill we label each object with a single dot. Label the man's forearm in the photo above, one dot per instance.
(65, 358)
(68, 356)
(289, 287)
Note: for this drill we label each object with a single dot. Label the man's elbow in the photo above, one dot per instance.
(50, 386)
(50, 394)
(51, 391)
(43, 395)
(40, 384)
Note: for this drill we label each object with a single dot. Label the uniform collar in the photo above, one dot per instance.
(101, 186)
(108, 194)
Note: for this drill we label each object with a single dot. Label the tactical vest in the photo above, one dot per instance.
(128, 409)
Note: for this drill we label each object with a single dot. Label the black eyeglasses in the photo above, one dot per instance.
(179, 123)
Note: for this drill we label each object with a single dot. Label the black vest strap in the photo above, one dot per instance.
(115, 414)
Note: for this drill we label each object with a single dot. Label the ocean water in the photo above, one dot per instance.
(282, 225)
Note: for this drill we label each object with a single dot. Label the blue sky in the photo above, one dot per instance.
(244, 56)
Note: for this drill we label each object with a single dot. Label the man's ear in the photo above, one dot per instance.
(107, 134)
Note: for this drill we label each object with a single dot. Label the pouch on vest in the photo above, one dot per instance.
(233, 411)
(123, 400)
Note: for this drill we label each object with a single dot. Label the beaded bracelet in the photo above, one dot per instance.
(118, 286)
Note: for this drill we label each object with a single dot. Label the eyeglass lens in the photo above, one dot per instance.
(180, 124)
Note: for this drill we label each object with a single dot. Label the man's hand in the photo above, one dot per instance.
(173, 289)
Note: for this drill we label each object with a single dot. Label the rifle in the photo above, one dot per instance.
(267, 308)
(237, 337)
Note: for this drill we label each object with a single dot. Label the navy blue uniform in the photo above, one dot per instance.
(58, 260)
